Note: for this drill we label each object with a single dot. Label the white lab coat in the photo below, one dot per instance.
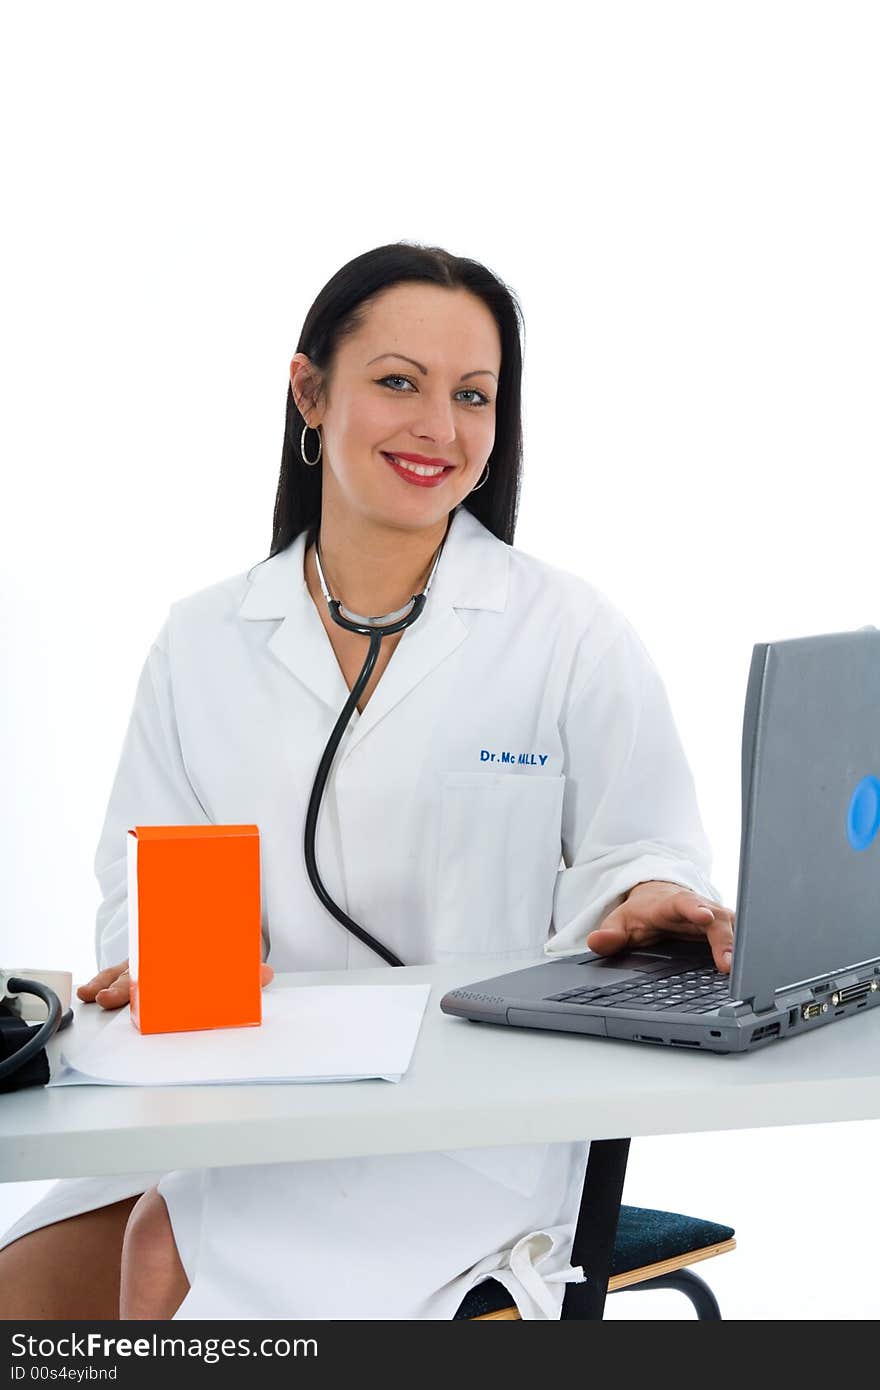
(516, 771)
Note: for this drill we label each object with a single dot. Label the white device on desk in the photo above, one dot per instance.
(807, 941)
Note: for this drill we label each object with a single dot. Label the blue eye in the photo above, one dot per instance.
(470, 390)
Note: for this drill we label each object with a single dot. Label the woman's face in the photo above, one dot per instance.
(379, 403)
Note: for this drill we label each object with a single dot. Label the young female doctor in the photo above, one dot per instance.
(402, 460)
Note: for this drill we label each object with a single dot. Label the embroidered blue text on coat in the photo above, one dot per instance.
(530, 759)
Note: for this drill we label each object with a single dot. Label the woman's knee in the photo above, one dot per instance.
(41, 1273)
(153, 1282)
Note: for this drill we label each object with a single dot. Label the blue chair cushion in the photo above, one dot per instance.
(644, 1237)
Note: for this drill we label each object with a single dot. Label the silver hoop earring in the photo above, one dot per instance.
(302, 447)
(482, 480)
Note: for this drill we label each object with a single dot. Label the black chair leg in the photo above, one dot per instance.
(688, 1283)
(596, 1229)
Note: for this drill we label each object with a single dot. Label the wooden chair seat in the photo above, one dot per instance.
(652, 1249)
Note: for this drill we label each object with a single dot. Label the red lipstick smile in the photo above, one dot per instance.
(431, 479)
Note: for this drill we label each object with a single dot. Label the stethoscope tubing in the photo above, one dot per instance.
(375, 629)
(55, 1021)
(315, 804)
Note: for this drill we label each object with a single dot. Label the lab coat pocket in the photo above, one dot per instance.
(498, 853)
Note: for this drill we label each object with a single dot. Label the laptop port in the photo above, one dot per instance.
(769, 1030)
(846, 996)
(813, 1010)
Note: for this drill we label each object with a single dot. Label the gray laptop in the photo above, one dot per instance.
(807, 938)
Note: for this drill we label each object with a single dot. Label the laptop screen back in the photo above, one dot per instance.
(811, 775)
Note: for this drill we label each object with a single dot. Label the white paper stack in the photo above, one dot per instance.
(312, 1033)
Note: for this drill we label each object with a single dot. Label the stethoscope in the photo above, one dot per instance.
(375, 629)
(17, 1028)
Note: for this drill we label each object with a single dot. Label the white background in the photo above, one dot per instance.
(684, 197)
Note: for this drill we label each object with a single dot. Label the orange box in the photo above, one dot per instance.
(194, 927)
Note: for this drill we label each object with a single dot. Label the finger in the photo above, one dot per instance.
(720, 938)
(267, 975)
(642, 920)
(115, 994)
(616, 935)
(684, 914)
(718, 910)
(712, 920)
(103, 977)
(682, 907)
(121, 982)
(99, 981)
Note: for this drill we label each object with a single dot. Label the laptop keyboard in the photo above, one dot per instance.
(696, 991)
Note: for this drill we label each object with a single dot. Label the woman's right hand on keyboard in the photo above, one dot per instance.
(111, 988)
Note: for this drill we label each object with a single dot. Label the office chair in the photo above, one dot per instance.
(651, 1251)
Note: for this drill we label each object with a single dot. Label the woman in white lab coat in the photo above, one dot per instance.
(511, 785)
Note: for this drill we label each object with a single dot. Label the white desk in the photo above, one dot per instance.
(468, 1085)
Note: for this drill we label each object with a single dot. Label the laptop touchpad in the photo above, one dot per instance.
(632, 963)
(688, 956)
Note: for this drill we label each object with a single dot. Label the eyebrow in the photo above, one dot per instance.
(482, 371)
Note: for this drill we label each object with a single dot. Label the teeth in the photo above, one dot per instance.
(424, 470)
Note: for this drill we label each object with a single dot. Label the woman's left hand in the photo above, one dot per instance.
(654, 909)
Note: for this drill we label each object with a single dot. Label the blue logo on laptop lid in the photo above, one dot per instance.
(863, 818)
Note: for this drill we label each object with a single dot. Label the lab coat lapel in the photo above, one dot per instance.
(433, 636)
(472, 573)
(278, 590)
